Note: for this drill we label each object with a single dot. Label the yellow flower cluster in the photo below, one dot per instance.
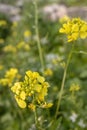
(48, 72)
(9, 77)
(74, 87)
(74, 28)
(32, 91)
(10, 48)
(23, 45)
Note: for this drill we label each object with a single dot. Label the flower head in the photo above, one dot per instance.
(74, 87)
(9, 77)
(74, 28)
(32, 91)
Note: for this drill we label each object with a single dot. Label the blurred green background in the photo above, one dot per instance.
(19, 50)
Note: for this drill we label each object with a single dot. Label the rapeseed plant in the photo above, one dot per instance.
(74, 29)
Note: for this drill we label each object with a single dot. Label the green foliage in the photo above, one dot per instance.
(21, 52)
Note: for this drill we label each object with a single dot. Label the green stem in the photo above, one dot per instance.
(37, 35)
(36, 120)
(63, 81)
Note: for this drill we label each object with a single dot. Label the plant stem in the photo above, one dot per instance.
(36, 121)
(37, 35)
(63, 81)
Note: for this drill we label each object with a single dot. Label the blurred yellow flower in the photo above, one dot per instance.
(23, 45)
(48, 72)
(10, 48)
(74, 28)
(3, 23)
(27, 33)
(74, 87)
(64, 19)
(9, 77)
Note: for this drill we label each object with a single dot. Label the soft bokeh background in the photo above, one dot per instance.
(18, 49)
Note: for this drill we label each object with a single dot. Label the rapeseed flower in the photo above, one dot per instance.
(48, 72)
(32, 91)
(3, 23)
(74, 28)
(9, 77)
(27, 33)
(23, 45)
(64, 19)
(74, 87)
(10, 48)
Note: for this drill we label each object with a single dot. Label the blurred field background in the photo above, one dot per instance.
(18, 49)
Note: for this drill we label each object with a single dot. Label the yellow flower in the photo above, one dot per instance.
(22, 95)
(37, 88)
(20, 44)
(27, 33)
(27, 47)
(72, 37)
(66, 28)
(20, 102)
(33, 87)
(74, 29)
(10, 75)
(74, 87)
(3, 23)
(83, 31)
(40, 79)
(9, 48)
(47, 105)
(5, 82)
(64, 19)
(16, 88)
(48, 72)
(32, 107)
